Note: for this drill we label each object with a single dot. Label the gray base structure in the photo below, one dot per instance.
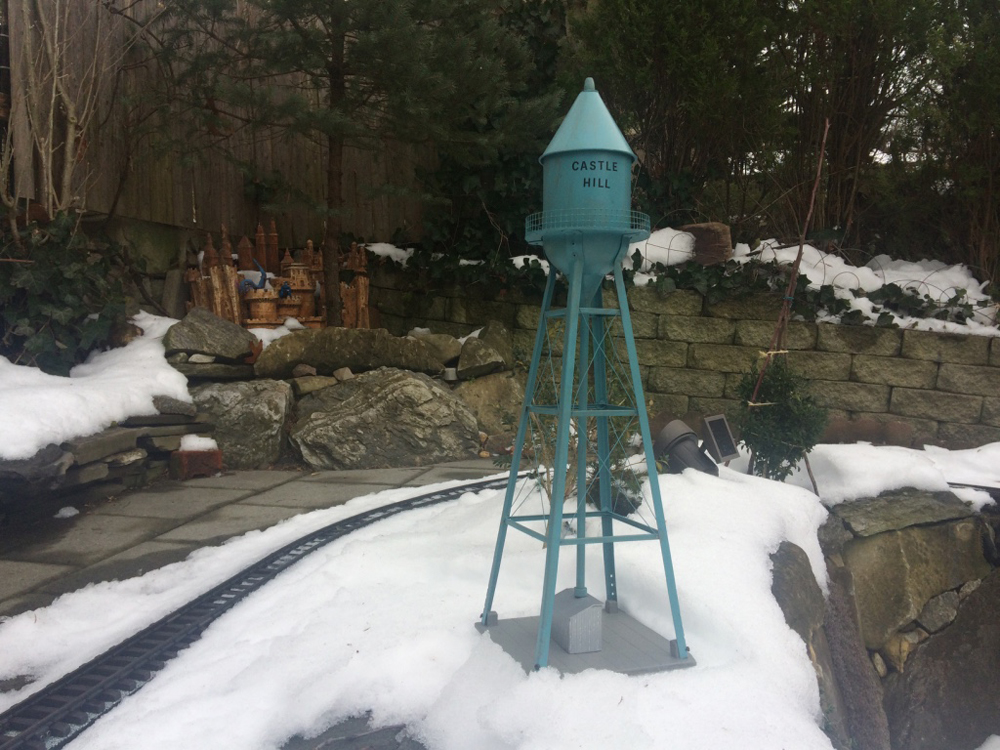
(628, 646)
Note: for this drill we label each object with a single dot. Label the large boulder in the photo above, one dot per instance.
(795, 589)
(250, 420)
(381, 419)
(329, 349)
(478, 358)
(201, 332)
(497, 336)
(444, 347)
(949, 694)
(496, 401)
(909, 547)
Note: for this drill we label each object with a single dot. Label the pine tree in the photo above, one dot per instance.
(437, 72)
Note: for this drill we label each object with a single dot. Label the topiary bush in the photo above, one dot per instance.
(782, 424)
(61, 294)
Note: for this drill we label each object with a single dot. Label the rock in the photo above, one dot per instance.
(178, 358)
(343, 373)
(496, 401)
(858, 683)
(201, 332)
(833, 535)
(879, 663)
(949, 695)
(798, 595)
(303, 371)
(329, 349)
(444, 347)
(44, 470)
(897, 509)
(939, 612)
(496, 335)
(168, 405)
(900, 645)
(303, 386)
(381, 419)
(967, 589)
(95, 447)
(249, 419)
(201, 359)
(896, 573)
(478, 359)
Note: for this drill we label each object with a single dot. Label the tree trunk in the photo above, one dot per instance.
(334, 190)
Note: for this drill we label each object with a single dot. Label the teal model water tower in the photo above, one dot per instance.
(584, 416)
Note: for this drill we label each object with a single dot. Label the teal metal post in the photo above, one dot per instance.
(522, 426)
(558, 494)
(582, 394)
(604, 457)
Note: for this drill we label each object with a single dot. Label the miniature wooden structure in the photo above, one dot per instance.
(290, 288)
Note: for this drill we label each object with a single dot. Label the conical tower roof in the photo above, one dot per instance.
(588, 127)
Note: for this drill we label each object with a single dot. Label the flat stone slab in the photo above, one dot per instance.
(25, 603)
(258, 479)
(128, 564)
(91, 538)
(450, 474)
(311, 495)
(367, 476)
(628, 647)
(230, 521)
(18, 577)
(178, 503)
(356, 733)
(898, 509)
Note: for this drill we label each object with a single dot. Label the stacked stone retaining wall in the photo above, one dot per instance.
(692, 354)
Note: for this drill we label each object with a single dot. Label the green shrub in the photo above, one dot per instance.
(60, 295)
(782, 424)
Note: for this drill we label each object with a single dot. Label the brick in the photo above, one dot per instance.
(963, 436)
(697, 330)
(759, 306)
(991, 411)
(946, 347)
(820, 365)
(907, 373)
(850, 396)
(687, 382)
(880, 342)
(680, 302)
(658, 353)
(979, 381)
(943, 407)
(191, 464)
(760, 333)
(722, 358)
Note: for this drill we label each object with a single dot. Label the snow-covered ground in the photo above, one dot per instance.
(382, 619)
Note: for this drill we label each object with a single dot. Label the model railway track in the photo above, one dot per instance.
(59, 712)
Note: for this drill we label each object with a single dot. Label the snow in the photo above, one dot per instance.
(382, 619)
(198, 443)
(267, 335)
(68, 512)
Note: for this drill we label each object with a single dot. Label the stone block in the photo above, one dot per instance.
(709, 406)
(95, 447)
(479, 312)
(995, 352)
(924, 430)
(723, 358)
(672, 403)
(943, 407)
(527, 317)
(899, 509)
(760, 306)
(878, 342)
(896, 573)
(680, 302)
(644, 325)
(697, 330)
(759, 333)
(939, 612)
(657, 353)
(946, 347)
(991, 412)
(733, 380)
(687, 382)
(981, 381)
(963, 436)
(850, 396)
(820, 365)
(907, 373)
